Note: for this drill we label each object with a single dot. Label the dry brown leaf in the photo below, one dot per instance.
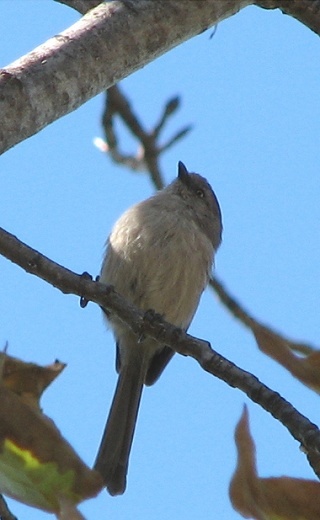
(37, 465)
(280, 498)
(28, 380)
(305, 368)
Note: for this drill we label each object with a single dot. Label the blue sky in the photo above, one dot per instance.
(252, 94)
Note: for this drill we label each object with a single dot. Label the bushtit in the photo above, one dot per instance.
(158, 256)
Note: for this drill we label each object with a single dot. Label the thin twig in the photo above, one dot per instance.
(149, 149)
(249, 321)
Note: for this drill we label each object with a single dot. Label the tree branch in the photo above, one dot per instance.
(106, 45)
(117, 103)
(306, 11)
(150, 324)
(149, 149)
(239, 312)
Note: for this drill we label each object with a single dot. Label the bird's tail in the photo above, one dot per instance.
(113, 455)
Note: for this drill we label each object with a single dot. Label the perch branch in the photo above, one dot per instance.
(147, 324)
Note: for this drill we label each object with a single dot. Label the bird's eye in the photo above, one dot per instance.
(200, 194)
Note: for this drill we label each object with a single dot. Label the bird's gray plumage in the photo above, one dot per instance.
(159, 256)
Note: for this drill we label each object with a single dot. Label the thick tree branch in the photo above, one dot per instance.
(106, 45)
(149, 324)
(306, 11)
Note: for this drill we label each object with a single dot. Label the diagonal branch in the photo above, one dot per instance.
(306, 11)
(150, 324)
(239, 312)
(110, 42)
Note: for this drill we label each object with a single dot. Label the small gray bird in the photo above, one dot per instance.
(159, 256)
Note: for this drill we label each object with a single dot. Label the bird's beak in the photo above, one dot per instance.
(183, 173)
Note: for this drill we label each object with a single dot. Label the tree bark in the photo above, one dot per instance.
(107, 44)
